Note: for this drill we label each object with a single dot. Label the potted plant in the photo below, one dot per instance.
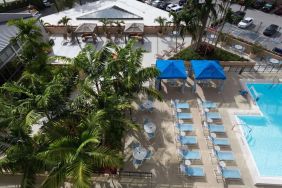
(64, 21)
(161, 21)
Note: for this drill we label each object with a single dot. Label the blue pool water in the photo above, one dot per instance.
(264, 133)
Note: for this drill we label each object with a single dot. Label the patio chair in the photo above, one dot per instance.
(213, 115)
(160, 56)
(219, 141)
(229, 173)
(149, 154)
(187, 140)
(189, 154)
(184, 116)
(135, 144)
(150, 135)
(137, 163)
(184, 127)
(223, 155)
(146, 120)
(192, 171)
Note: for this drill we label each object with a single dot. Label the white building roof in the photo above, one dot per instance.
(127, 10)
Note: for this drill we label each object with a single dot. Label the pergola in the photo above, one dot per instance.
(86, 30)
(171, 69)
(134, 30)
(207, 70)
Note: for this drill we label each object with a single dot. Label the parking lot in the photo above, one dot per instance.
(254, 32)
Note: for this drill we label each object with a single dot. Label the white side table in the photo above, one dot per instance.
(187, 162)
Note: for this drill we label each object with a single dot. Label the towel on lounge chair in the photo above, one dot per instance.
(193, 171)
(182, 115)
(213, 115)
(189, 154)
(185, 127)
(187, 140)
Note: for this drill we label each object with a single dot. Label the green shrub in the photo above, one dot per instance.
(218, 54)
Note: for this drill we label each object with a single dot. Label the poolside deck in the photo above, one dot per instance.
(164, 165)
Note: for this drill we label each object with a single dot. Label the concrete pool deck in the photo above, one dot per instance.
(164, 162)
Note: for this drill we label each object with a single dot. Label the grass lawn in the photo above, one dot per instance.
(218, 54)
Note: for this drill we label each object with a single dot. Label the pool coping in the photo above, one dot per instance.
(248, 156)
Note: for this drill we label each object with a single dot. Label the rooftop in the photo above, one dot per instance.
(127, 10)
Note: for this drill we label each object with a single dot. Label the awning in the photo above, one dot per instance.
(171, 69)
(85, 28)
(207, 69)
(134, 28)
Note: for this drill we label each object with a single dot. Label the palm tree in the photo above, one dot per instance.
(106, 22)
(33, 53)
(75, 151)
(161, 21)
(176, 21)
(28, 30)
(119, 24)
(65, 22)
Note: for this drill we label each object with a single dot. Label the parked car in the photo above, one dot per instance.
(162, 5)
(182, 2)
(246, 22)
(170, 6)
(176, 8)
(278, 11)
(277, 50)
(258, 4)
(271, 30)
(267, 7)
(155, 3)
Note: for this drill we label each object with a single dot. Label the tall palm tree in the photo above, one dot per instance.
(75, 154)
(33, 54)
(64, 21)
(161, 21)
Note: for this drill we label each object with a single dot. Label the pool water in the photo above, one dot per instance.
(264, 133)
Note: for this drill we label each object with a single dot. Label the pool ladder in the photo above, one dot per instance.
(275, 80)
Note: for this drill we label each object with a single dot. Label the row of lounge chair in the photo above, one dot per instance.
(186, 139)
(214, 128)
(168, 53)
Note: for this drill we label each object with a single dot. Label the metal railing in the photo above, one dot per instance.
(254, 69)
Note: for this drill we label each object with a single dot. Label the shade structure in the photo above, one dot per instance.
(134, 28)
(171, 69)
(85, 28)
(207, 69)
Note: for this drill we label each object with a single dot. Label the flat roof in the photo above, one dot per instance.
(127, 10)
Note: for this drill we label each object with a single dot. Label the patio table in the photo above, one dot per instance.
(139, 153)
(238, 47)
(148, 104)
(187, 162)
(274, 61)
(217, 148)
(150, 127)
(222, 164)
(213, 135)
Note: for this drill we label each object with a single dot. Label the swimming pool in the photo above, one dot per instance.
(264, 133)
